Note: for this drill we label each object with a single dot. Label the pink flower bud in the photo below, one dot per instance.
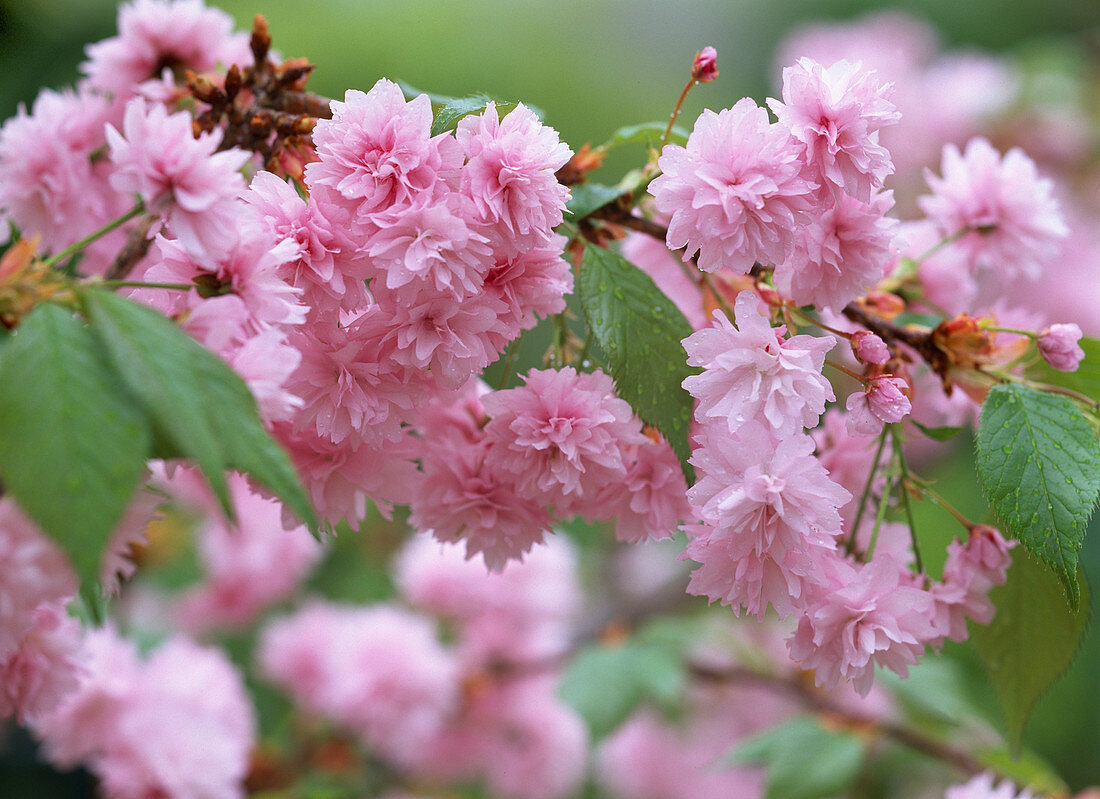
(887, 399)
(705, 67)
(1058, 346)
(869, 348)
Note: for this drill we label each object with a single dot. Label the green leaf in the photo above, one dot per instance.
(639, 330)
(73, 443)
(199, 407)
(1039, 465)
(453, 110)
(648, 133)
(804, 760)
(605, 684)
(587, 197)
(937, 433)
(1030, 642)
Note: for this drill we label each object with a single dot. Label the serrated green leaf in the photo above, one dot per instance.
(605, 684)
(1030, 642)
(587, 197)
(648, 133)
(73, 443)
(639, 330)
(804, 760)
(1038, 461)
(453, 110)
(199, 407)
(937, 433)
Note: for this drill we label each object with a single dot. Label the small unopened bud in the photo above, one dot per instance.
(705, 67)
(1058, 346)
(869, 348)
(883, 304)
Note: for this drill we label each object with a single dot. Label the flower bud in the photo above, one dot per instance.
(869, 348)
(705, 67)
(1058, 346)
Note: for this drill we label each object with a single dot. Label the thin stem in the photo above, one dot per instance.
(509, 360)
(905, 499)
(139, 208)
(1016, 330)
(936, 497)
(958, 234)
(676, 113)
(846, 371)
(880, 517)
(866, 490)
(818, 323)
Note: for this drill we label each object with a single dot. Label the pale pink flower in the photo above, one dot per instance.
(522, 613)
(561, 435)
(972, 570)
(46, 667)
(427, 242)
(35, 572)
(51, 187)
(380, 672)
(186, 731)
(1058, 346)
(160, 159)
(265, 362)
(883, 401)
(652, 501)
(377, 151)
(351, 384)
(1010, 221)
(531, 284)
(864, 616)
(752, 372)
(509, 174)
(248, 566)
(835, 113)
(734, 194)
(981, 787)
(841, 253)
(154, 35)
(769, 512)
(468, 496)
(869, 348)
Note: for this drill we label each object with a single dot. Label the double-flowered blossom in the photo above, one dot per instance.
(735, 194)
(970, 573)
(835, 113)
(509, 174)
(843, 251)
(158, 158)
(377, 671)
(752, 372)
(1005, 214)
(154, 35)
(770, 518)
(562, 434)
(865, 615)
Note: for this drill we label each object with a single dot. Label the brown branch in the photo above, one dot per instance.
(137, 245)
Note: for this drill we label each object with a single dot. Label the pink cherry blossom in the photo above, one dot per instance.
(972, 570)
(1058, 346)
(45, 668)
(1008, 217)
(509, 174)
(864, 616)
(841, 253)
(734, 194)
(161, 34)
(652, 501)
(835, 113)
(705, 66)
(158, 158)
(752, 372)
(981, 787)
(883, 401)
(377, 151)
(531, 284)
(562, 434)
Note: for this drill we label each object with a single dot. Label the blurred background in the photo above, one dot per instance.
(595, 65)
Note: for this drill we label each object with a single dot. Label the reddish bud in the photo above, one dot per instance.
(869, 348)
(705, 67)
